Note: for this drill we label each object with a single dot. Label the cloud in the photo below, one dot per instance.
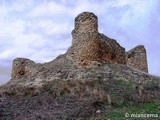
(48, 8)
(132, 14)
(19, 34)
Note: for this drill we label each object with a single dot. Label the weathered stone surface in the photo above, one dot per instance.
(86, 22)
(111, 51)
(21, 67)
(137, 58)
(88, 45)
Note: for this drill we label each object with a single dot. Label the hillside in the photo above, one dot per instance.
(95, 79)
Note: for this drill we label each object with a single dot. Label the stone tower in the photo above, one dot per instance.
(89, 46)
(86, 44)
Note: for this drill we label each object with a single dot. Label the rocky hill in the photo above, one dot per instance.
(94, 73)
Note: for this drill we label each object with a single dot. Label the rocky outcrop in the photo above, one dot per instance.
(21, 67)
(137, 58)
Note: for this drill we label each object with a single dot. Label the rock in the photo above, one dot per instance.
(86, 22)
(21, 67)
(88, 45)
(98, 111)
(137, 58)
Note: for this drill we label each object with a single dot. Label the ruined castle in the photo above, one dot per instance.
(90, 47)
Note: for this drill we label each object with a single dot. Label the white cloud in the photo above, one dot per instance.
(25, 38)
(129, 21)
(7, 53)
(52, 28)
(12, 28)
(49, 8)
(3, 12)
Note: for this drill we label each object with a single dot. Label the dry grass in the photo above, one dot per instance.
(81, 98)
(20, 91)
(82, 89)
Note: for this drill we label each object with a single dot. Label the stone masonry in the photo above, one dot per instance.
(89, 47)
(21, 67)
(136, 58)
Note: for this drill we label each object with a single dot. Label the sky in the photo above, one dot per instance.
(41, 29)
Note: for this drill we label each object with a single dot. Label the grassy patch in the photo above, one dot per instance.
(134, 112)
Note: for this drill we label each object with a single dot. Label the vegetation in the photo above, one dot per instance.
(116, 99)
(81, 99)
(138, 112)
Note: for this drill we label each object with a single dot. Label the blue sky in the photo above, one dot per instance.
(41, 29)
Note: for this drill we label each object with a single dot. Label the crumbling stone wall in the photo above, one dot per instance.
(137, 58)
(89, 45)
(111, 51)
(21, 67)
(89, 48)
